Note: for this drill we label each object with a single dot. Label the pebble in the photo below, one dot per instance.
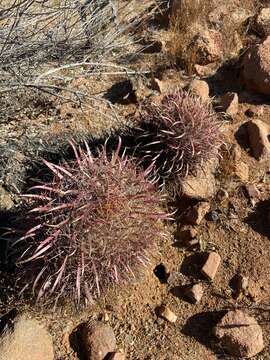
(213, 216)
(194, 293)
(229, 103)
(167, 314)
(211, 265)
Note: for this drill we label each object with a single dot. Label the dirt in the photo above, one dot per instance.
(240, 235)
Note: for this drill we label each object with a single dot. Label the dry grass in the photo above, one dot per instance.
(191, 17)
(184, 24)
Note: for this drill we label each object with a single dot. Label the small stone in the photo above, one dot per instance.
(229, 103)
(213, 216)
(252, 191)
(27, 340)
(6, 202)
(117, 356)
(99, 340)
(196, 214)
(259, 134)
(241, 285)
(167, 314)
(200, 88)
(222, 195)
(211, 265)
(240, 334)
(194, 293)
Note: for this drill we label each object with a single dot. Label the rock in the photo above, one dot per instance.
(211, 265)
(201, 186)
(229, 103)
(167, 314)
(240, 334)
(259, 136)
(256, 68)
(252, 191)
(200, 88)
(196, 214)
(240, 285)
(222, 195)
(208, 46)
(6, 202)
(194, 293)
(262, 22)
(117, 356)
(28, 340)
(99, 340)
(213, 216)
(205, 70)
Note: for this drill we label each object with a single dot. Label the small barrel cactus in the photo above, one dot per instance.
(93, 225)
(179, 135)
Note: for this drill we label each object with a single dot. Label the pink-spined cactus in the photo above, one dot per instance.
(93, 225)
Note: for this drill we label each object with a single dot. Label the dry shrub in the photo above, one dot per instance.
(185, 21)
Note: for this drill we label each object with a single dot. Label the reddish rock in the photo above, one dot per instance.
(200, 88)
(211, 265)
(229, 103)
(259, 136)
(256, 68)
(167, 314)
(208, 46)
(240, 334)
(196, 214)
(99, 340)
(252, 191)
(194, 293)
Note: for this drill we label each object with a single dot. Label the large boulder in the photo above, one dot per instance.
(26, 340)
(256, 68)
